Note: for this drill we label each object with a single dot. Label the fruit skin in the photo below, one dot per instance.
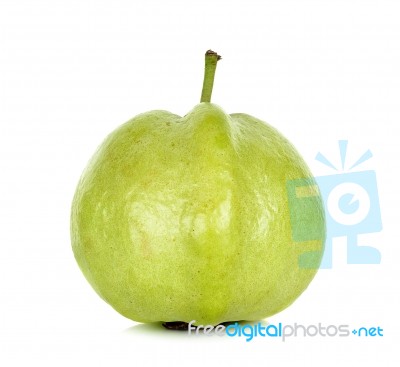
(187, 218)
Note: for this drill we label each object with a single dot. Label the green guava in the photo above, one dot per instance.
(189, 218)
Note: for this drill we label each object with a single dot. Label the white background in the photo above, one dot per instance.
(72, 71)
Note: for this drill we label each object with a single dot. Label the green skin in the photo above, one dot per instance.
(187, 218)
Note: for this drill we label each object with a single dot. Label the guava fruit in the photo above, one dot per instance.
(188, 218)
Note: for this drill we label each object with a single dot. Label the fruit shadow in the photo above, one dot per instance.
(153, 328)
(157, 329)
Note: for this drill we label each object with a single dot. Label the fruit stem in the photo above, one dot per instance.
(211, 60)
